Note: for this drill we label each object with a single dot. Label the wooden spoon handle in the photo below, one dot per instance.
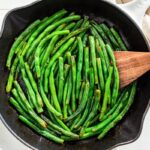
(132, 65)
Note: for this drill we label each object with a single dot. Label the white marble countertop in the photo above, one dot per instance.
(8, 141)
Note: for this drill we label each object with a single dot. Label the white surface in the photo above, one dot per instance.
(136, 9)
(8, 141)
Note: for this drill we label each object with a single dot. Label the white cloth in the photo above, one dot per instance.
(146, 19)
(146, 26)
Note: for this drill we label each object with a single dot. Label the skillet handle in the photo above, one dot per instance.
(135, 9)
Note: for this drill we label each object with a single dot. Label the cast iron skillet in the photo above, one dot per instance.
(130, 127)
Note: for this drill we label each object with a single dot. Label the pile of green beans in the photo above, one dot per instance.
(63, 78)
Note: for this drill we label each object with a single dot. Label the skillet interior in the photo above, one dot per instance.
(129, 128)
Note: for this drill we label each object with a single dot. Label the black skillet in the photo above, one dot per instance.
(130, 127)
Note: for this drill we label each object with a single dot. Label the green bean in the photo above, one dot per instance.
(17, 66)
(68, 57)
(65, 97)
(100, 74)
(85, 20)
(66, 70)
(101, 32)
(45, 23)
(53, 59)
(93, 111)
(83, 103)
(104, 123)
(118, 38)
(100, 45)
(116, 75)
(19, 39)
(50, 45)
(62, 124)
(15, 94)
(95, 33)
(105, 55)
(61, 79)
(31, 91)
(67, 138)
(95, 119)
(67, 133)
(85, 39)
(79, 66)
(121, 115)
(69, 110)
(17, 73)
(48, 30)
(44, 19)
(112, 116)
(34, 85)
(21, 95)
(74, 78)
(106, 94)
(42, 55)
(78, 24)
(48, 51)
(86, 62)
(30, 100)
(94, 108)
(41, 131)
(47, 103)
(75, 122)
(72, 13)
(22, 112)
(27, 105)
(11, 75)
(101, 55)
(83, 117)
(53, 89)
(93, 57)
(31, 86)
(52, 131)
(74, 33)
(69, 92)
(32, 64)
(81, 91)
(91, 76)
(73, 47)
(21, 45)
(88, 135)
(85, 23)
(15, 103)
(70, 26)
(51, 117)
(124, 94)
(109, 34)
(69, 84)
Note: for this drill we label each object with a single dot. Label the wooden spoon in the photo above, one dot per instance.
(131, 65)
